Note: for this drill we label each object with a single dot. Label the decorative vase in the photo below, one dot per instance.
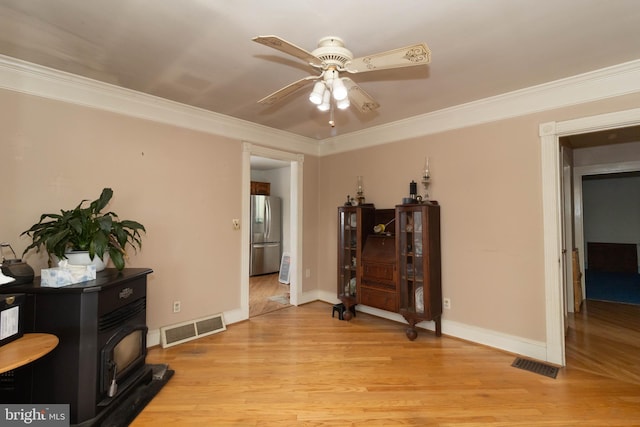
(82, 258)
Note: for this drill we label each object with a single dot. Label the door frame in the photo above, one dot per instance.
(549, 134)
(295, 218)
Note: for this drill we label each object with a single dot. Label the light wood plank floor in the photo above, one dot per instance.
(262, 289)
(300, 366)
(604, 338)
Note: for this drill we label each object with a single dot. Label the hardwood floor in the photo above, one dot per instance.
(604, 338)
(263, 291)
(300, 366)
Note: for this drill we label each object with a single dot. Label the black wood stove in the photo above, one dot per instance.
(101, 325)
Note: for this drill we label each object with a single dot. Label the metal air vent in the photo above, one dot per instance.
(187, 331)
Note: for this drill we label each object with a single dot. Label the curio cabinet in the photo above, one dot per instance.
(354, 223)
(418, 251)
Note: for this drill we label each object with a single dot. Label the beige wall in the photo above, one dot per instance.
(184, 186)
(488, 181)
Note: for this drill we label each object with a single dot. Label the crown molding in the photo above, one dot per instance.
(618, 80)
(32, 79)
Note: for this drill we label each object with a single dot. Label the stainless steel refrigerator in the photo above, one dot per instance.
(266, 234)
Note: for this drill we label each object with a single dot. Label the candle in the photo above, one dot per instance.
(426, 166)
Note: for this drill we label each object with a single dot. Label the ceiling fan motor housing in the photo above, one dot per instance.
(332, 52)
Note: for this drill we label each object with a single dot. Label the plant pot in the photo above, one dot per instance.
(82, 258)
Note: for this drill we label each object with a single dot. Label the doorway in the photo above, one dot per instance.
(609, 229)
(602, 335)
(550, 134)
(267, 292)
(291, 174)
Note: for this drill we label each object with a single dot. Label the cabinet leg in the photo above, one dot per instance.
(438, 321)
(412, 334)
(411, 331)
(349, 312)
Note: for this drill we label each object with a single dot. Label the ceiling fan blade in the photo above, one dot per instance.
(358, 97)
(289, 48)
(287, 90)
(418, 54)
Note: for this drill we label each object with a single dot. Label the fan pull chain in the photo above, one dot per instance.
(332, 122)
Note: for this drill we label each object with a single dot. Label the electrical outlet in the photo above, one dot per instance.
(236, 223)
(176, 306)
(446, 303)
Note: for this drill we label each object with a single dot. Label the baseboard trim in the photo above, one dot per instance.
(153, 338)
(490, 338)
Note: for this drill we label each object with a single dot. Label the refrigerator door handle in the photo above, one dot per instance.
(267, 215)
(265, 245)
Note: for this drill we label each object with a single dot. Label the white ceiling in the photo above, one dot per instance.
(199, 52)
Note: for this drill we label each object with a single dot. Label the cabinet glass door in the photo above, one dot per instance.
(347, 252)
(411, 260)
(419, 263)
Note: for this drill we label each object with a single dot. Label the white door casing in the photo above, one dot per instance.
(295, 216)
(550, 133)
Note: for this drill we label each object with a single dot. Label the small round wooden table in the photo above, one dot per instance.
(25, 349)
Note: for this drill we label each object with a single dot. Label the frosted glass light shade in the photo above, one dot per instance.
(343, 104)
(339, 90)
(317, 93)
(326, 102)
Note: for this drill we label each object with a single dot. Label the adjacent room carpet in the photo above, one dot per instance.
(610, 286)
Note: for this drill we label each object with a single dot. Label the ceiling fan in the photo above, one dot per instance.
(330, 59)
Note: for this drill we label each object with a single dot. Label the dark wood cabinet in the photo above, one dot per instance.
(379, 281)
(261, 188)
(354, 223)
(397, 270)
(418, 242)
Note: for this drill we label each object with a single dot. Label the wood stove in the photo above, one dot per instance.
(101, 325)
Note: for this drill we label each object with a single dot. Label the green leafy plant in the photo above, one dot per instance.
(86, 228)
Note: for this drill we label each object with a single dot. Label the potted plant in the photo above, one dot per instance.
(86, 228)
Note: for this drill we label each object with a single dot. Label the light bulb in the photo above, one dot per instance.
(316, 94)
(339, 90)
(343, 104)
(326, 102)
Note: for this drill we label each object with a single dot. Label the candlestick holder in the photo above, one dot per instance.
(426, 180)
(360, 191)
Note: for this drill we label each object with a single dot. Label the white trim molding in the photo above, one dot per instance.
(296, 217)
(32, 79)
(608, 82)
(490, 338)
(25, 77)
(551, 204)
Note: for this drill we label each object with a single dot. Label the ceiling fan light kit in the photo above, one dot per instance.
(331, 58)
(343, 104)
(317, 93)
(339, 90)
(326, 101)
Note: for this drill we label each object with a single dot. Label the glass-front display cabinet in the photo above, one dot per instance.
(418, 249)
(354, 224)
